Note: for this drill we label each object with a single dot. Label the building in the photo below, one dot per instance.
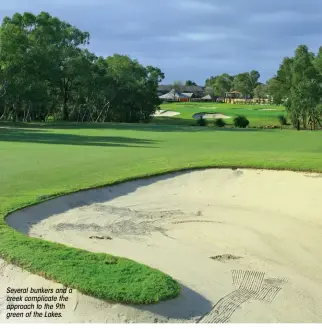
(196, 91)
(189, 96)
(175, 96)
(207, 98)
(232, 96)
(235, 97)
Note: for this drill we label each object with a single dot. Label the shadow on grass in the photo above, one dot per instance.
(151, 127)
(174, 121)
(163, 125)
(40, 136)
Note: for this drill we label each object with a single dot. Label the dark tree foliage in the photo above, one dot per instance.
(298, 86)
(202, 122)
(241, 121)
(46, 72)
(219, 123)
(190, 83)
(282, 120)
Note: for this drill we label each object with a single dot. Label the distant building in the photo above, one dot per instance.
(195, 91)
(235, 97)
(175, 96)
(232, 96)
(207, 98)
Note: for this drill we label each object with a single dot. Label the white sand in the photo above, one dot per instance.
(210, 116)
(165, 113)
(272, 220)
(268, 110)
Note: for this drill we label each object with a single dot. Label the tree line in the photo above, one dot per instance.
(47, 72)
(297, 85)
(246, 83)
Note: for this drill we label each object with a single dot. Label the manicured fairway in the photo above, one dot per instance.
(254, 113)
(38, 162)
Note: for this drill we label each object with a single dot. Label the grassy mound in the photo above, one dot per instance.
(97, 274)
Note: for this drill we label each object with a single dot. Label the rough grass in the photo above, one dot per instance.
(38, 162)
(252, 112)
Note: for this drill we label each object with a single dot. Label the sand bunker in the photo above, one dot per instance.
(268, 110)
(245, 244)
(165, 113)
(210, 116)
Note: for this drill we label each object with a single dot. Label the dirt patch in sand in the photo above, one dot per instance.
(270, 220)
(165, 113)
(225, 257)
(206, 115)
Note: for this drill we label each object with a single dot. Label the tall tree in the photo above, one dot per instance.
(243, 84)
(246, 82)
(302, 85)
(254, 77)
(190, 83)
(178, 85)
(279, 86)
(261, 91)
(45, 70)
(210, 81)
(275, 90)
(222, 84)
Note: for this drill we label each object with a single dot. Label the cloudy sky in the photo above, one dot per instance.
(191, 39)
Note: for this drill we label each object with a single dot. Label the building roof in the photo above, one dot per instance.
(207, 97)
(189, 95)
(186, 89)
(173, 94)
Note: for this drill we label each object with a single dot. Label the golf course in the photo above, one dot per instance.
(258, 115)
(41, 162)
(127, 196)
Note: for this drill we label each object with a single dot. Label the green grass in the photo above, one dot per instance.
(39, 162)
(252, 112)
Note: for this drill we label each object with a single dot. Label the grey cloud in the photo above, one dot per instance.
(191, 39)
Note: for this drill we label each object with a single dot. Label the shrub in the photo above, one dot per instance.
(50, 118)
(219, 123)
(282, 120)
(241, 122)
(201, 122)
